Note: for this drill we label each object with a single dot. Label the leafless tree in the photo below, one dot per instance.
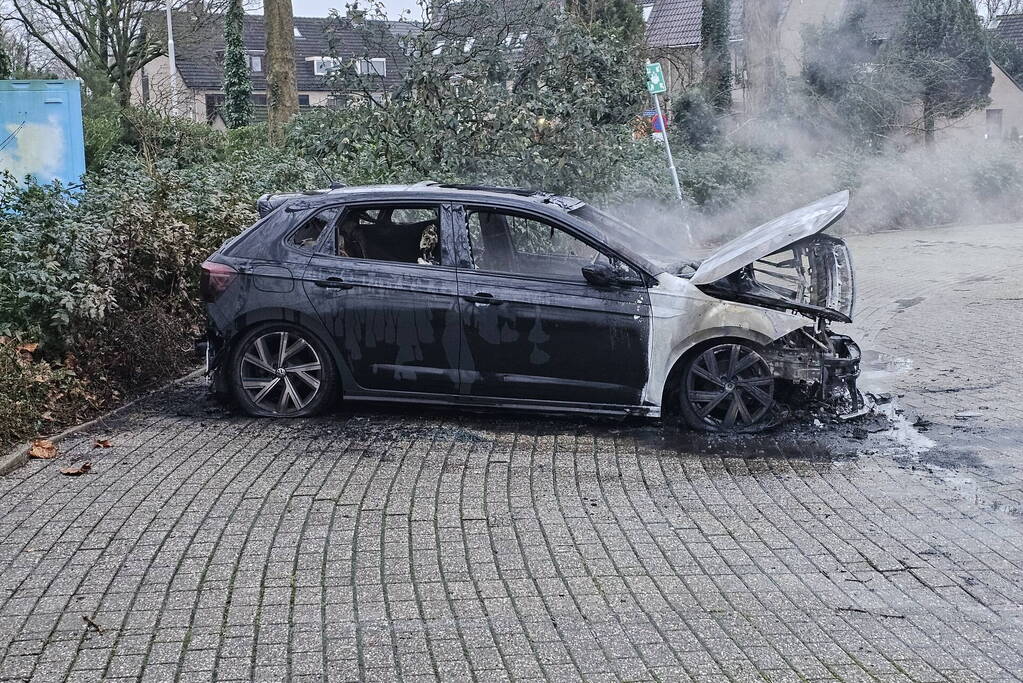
(281, 86)
(992, 9)
(103, 42)
(28, 58)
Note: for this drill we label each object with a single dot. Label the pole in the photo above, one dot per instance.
(172, 65)
(667, 147)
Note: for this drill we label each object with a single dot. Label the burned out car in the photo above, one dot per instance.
(477, 296)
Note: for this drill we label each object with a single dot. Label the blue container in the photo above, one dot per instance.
(41, 130)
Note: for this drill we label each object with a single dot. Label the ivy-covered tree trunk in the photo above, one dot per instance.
(929, 117)
(237, 85)
(715, 33)
(6, 68)
(281, 87)
(943, 49)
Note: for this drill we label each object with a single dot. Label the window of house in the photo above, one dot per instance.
(255, 63)
(994, 124)
(439, 47)
(647, 9)
(377, 66)
(509, 243)
(516, 42)
(214, 103)
(308, 235)
(303, 100)
(322, 66)
(402, 234)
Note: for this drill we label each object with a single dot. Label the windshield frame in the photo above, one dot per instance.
(629, 237)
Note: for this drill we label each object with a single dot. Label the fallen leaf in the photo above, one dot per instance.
(76, 470)
(42, 449)
(27, 348)
(102, 443)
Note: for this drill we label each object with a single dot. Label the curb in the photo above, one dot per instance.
(19, 456)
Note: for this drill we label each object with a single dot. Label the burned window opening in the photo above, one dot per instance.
(525, 245)
(399, 234)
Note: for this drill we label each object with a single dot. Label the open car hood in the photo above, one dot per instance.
(771, 238)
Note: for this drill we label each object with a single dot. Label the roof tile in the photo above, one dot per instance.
(676, 23)
(1010, 27)
(199, 49)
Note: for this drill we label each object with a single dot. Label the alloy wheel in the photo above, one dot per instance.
(730, 387)
(281, 372)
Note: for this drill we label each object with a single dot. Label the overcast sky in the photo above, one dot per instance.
(320, 8)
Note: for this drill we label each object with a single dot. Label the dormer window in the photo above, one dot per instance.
(516, 42)
(377, 66)
(323, 66)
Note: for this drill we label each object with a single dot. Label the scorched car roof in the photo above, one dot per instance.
(435, 191)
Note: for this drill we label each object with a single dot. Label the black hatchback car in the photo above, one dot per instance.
(479, 296)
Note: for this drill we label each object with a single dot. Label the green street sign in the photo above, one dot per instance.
(655, 78)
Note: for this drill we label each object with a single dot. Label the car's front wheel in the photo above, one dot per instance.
(281, 370)
(727, 387)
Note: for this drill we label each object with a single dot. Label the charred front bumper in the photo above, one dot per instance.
(821, 364)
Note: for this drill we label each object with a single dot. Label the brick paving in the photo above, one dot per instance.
(399, 544)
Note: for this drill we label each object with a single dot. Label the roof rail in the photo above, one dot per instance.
(520, 191)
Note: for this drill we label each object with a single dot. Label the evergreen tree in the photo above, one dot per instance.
(237, 86)
(942, 48)
(715, 33)
(848, 87)
(695, 120)
(1009, 56)
(621, 16)
(6, 70)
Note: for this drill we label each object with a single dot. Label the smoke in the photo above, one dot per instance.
(845, 121)
(951, 182)
(765, 168)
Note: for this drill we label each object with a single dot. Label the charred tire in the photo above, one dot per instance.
(281, 370)
(727, 387)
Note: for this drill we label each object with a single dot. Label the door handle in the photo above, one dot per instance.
(333, 283)
(484, 299)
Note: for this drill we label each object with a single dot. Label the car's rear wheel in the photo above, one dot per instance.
(727, 387)
(281, 370)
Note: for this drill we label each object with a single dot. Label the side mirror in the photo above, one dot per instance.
(600, 275)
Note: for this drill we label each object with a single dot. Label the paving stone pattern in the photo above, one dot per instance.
(407, 545)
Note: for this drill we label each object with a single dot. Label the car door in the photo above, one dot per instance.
(384, 285)
(534, 328)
